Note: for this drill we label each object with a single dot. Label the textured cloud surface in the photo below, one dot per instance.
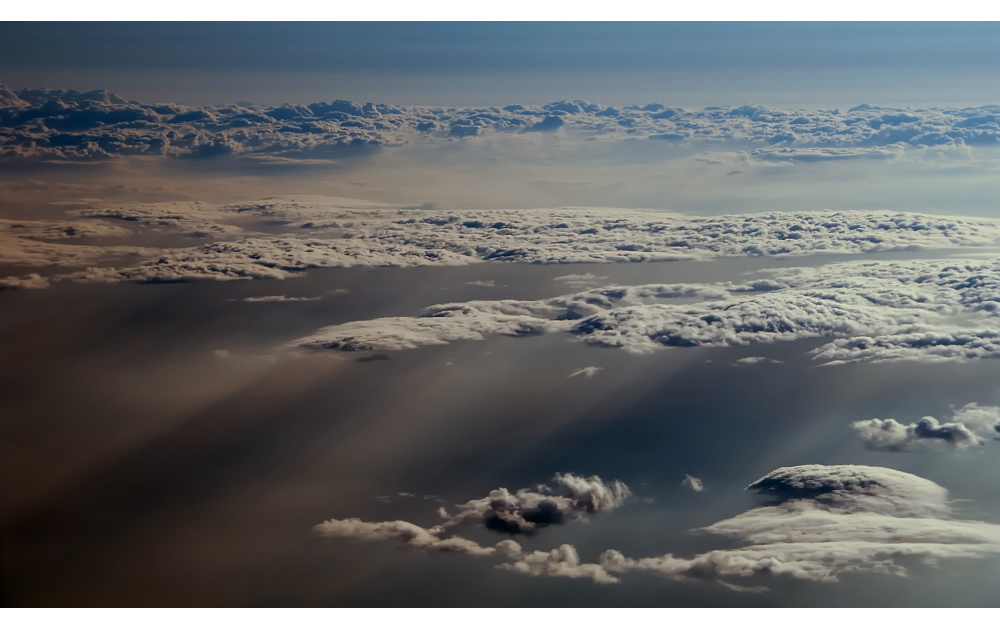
(66, 124)
(335, 232)
(972, 425)
(868, 307)
(819, 523)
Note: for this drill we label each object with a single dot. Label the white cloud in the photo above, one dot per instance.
(587, 372)
(567, 498)
(827, 521)
(819, 523)
(280, 298)
(928, 310)
(693, 483)
(755, 360)
(28, 281)
(970, 426)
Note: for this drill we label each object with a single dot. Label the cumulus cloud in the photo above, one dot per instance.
(71, 125)
(587, 372)
(29, 281)
(970, 426)
(693, 483)
(567, 498)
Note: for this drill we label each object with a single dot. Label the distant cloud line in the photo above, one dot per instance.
(39, 124)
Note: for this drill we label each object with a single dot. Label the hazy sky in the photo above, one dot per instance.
(477, 64)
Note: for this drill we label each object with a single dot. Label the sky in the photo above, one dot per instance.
(502, 314)
(480, 64)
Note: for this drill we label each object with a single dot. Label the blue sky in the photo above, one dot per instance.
(495, 63)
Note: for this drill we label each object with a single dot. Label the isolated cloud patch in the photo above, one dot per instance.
(693, 483)
(970, 426)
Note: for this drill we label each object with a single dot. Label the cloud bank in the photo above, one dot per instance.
(40, 124)
(336, 232)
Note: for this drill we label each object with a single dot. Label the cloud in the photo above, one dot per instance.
(280, 298)
(480, 283)
(818, 523)
(523, 512)
(63, 125)
(693, 483)
(567, 498)
(580, 279)
(970, 426)
(824, 521)
(29, 281)
(587, 372)
(873, 311)
(335, 232)
(755, 360)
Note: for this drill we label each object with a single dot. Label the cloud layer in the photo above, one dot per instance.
(38, 124)
(335, 232)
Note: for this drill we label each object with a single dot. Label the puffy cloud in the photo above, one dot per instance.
(567, 498)
(523, 512)
(64, 124)
(693, 483)
(29, 281)
(970, 426)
